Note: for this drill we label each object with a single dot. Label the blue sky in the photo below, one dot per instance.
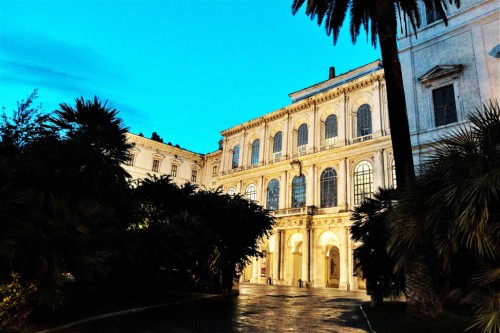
(185, 69)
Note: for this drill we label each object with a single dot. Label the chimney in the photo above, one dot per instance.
(332, 73)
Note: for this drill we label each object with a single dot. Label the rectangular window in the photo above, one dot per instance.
(214, 170)
(131, 159)
(156, 165)
(445, 111)
(432, 15)
(173, 171)
(194, 175)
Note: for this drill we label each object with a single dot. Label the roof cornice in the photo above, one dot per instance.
(321, 97)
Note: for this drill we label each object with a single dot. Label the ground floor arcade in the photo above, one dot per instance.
(307, 250)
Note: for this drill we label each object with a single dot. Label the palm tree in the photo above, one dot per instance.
(379, 19)
(370, 227)
(94, 140)
(454, 207)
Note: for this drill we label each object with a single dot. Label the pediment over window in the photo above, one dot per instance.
(440, 71)
(176, 161)
(158, 156)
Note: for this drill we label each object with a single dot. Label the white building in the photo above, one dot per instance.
(309, 163)
(449, 71)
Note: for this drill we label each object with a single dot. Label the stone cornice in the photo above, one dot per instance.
(346, 88)
(159, 147)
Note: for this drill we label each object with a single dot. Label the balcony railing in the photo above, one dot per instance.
(362, 138)
(309, 210)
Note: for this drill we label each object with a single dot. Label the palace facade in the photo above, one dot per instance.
(309, 163)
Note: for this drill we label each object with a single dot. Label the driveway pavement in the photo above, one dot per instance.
(257, 309)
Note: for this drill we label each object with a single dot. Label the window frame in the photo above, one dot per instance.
(173, 170)
(335, 129)
(359, 131)
(273, 194)
(359, 189)
(251, 192)
(328, 189)
(302, 137)
(254, 156)
(194, 175)
(277, 145)
(433, 103)
(235, 161)
(156, 165)
(298, 191)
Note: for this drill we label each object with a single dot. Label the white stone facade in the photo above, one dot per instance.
(149, 157)
(463, 56)
(311, 242)
(352, 156)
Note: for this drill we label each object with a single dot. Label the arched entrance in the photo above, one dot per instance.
(329, 258)
(295, 245)
(332, 268)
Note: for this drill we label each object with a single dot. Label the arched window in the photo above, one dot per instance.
(278, 137)
(364, 120)
(331, 129)
(255, 152)
(299, 191)
(236, 156)
(251, 192)
(231, 191)
(273, 194)
(328, 188)
(363, 182)
(302, 138)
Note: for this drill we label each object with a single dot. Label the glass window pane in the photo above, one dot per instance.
(273, 193)
(299, 191)
(236, 156)
(363, 182)
(255, 152)
(328, 188)
(277, 142)
(364, 120)
(302, 135)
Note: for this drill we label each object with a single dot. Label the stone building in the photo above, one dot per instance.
(149, 157)
(312, 161)
(449, 71)
(309, 163)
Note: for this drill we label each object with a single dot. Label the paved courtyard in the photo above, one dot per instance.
(256, 309)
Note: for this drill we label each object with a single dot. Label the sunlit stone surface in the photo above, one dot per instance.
(257, 309)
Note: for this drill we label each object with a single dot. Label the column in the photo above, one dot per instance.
(342, 185)
(222, 164)
(378, 170)
(255, 270)
(276, 256)
(311, 133)
(244, 150)
(305, 256)
(286, 137)
(377, 110)
(342, 118)
(353, 280)
(263, 145)
(348, 184)
(310, 188)
(260, 190)
(344, 274)
(239, 186)
(283, 190)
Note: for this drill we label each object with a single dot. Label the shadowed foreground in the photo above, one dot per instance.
(256, 309)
